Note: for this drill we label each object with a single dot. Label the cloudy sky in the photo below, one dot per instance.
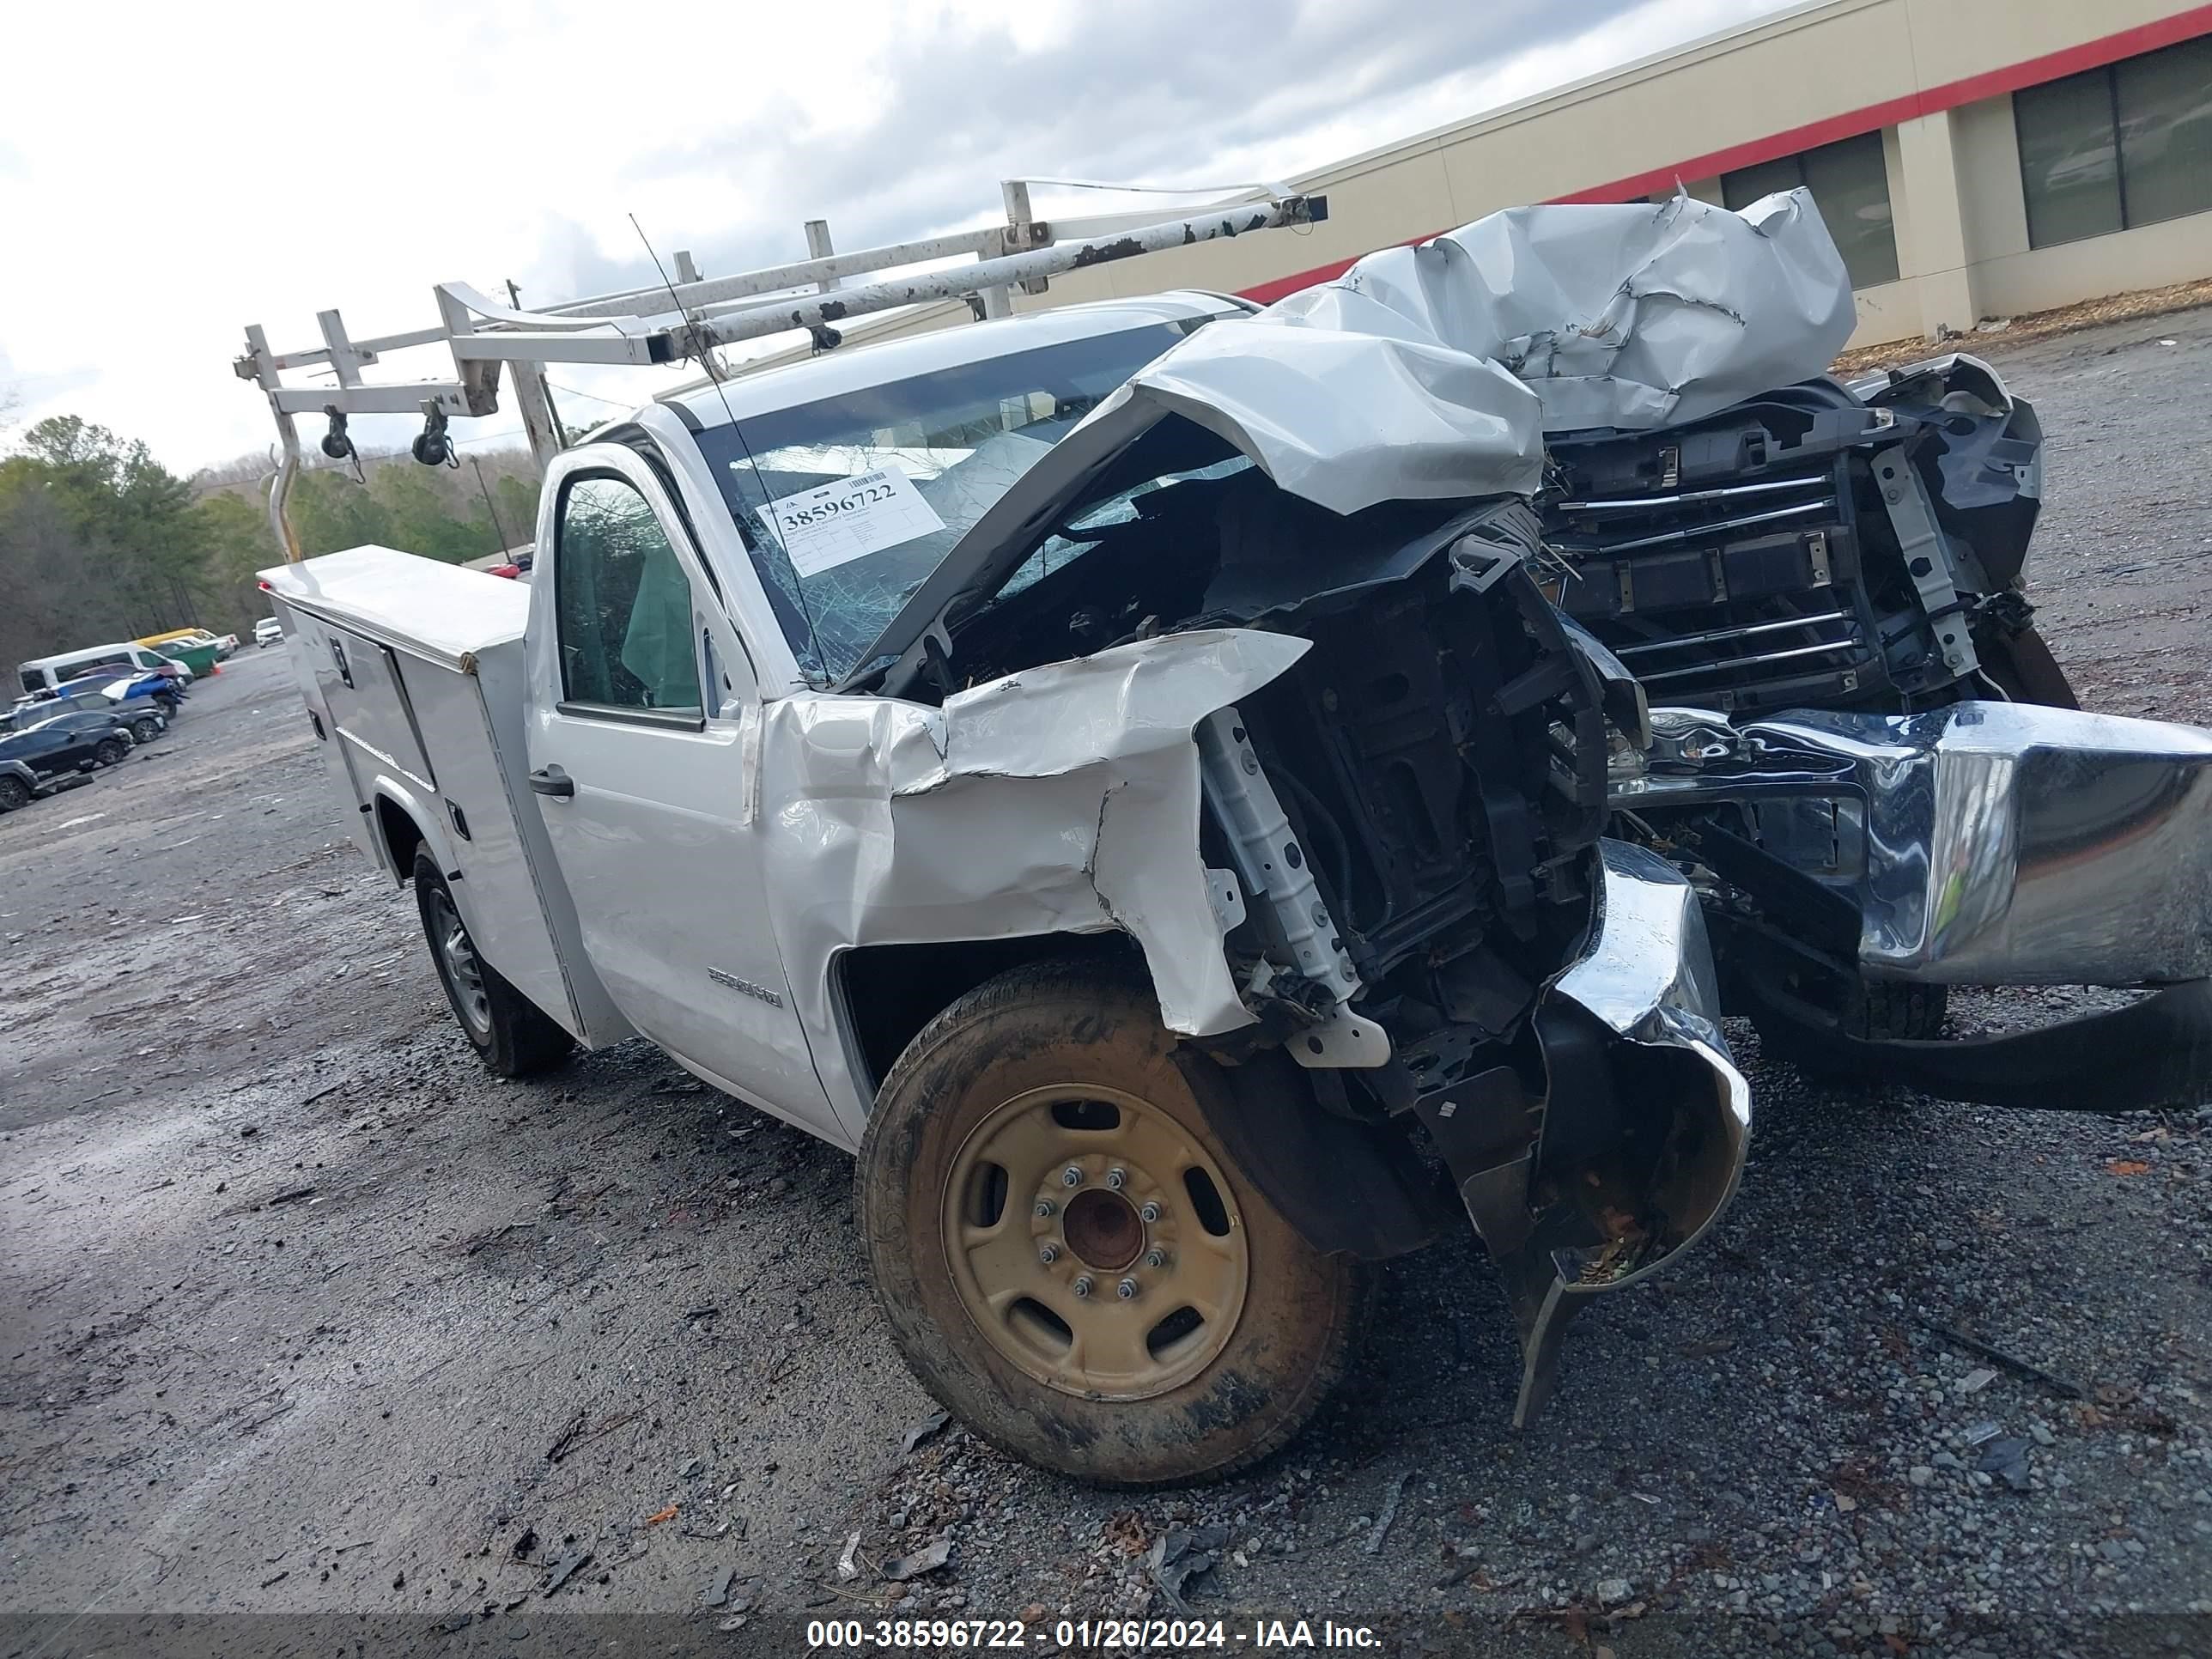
(169, 174)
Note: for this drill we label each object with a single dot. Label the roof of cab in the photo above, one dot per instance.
(865, 363)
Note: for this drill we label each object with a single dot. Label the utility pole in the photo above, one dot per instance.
(489, 508)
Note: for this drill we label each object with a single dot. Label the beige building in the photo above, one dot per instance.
(1973, 158)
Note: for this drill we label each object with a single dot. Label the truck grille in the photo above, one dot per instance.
(1722, 565)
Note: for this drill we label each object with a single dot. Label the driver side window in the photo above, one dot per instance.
(622, 603)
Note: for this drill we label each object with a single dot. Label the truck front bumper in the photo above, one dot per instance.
(1978, 844)
(1639, 1136)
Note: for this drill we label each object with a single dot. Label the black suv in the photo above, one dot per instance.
(60, 744)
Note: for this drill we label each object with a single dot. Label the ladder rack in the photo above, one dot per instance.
(688, 319)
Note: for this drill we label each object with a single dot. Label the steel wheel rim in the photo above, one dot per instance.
(457, 957)
(1163, 1251)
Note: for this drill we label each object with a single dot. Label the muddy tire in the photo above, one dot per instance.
(510, 1033)
(111, 751)
(13, 793)
(145, 729)
(1065, 1254)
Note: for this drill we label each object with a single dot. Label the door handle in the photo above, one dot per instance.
(552, 781)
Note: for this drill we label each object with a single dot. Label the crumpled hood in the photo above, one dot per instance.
(1622, 316)
(1433, 373)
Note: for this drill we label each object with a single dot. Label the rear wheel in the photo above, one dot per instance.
(13, 793)
(111, 751)
(1068, 1258)
(510, 1034)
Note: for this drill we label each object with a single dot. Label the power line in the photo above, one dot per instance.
(578, 391)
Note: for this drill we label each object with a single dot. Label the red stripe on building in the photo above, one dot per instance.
(1932, 100)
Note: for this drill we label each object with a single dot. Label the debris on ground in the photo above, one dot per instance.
(2012, 1363)
(928, 1559)
(1180, 1554)
(717, 1593)
(1388, 1512)
(2007, 1460)
(847, 1568)
(921, 1431)
(565, 1569)
(577, 1435)
(659, 1515)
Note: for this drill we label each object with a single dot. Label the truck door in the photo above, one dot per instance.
(638, 684)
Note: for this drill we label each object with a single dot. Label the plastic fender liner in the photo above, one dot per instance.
(1353, 1188)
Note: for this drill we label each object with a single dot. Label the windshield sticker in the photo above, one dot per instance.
(835, 523)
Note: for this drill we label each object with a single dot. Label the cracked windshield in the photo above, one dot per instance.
(848, 504)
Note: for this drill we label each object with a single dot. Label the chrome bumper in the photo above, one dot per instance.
(1984, 843)
(1642, 1132)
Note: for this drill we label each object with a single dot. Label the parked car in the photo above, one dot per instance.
(65, 743)
(229, 642)
(268, 632)
(43, 675)
(18, 785)
(141, 718)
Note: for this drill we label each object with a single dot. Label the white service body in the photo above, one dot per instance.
(413, 672)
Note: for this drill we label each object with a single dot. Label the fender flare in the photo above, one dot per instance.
(385, 790)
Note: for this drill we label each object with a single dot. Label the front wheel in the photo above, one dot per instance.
(1067, 1255)
(145, 729)
(510, 1033)
(111, 751)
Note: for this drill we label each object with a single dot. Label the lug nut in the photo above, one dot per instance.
(1082, 1285)
(1155, 1257)
(1150, 1212)
(1049, 1254)
(1126, 1289)
(1117, 1179)
(1071, 1177)
(1045, 1206)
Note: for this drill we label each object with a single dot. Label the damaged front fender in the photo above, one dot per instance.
(1063, 799)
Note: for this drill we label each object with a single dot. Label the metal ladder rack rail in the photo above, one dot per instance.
(687, 319)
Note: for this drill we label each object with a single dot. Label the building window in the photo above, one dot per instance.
(1850, 184)
(2113, 148)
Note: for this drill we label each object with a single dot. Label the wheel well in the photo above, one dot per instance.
(890, 992)
(402, 834)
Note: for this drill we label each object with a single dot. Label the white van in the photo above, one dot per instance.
(43, 674)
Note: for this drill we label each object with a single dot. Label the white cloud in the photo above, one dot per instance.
(169, 174)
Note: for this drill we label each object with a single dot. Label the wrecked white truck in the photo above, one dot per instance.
(1132, 774)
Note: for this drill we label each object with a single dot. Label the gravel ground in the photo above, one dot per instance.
(304, 1314)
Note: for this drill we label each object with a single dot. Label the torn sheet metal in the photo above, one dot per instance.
(1352, 406)
(1646, 974)
(1640, 1137)
(1633, 315)
(1063, 799)
(1433, 372)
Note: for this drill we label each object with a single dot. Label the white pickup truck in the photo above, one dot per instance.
(1116, 770)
